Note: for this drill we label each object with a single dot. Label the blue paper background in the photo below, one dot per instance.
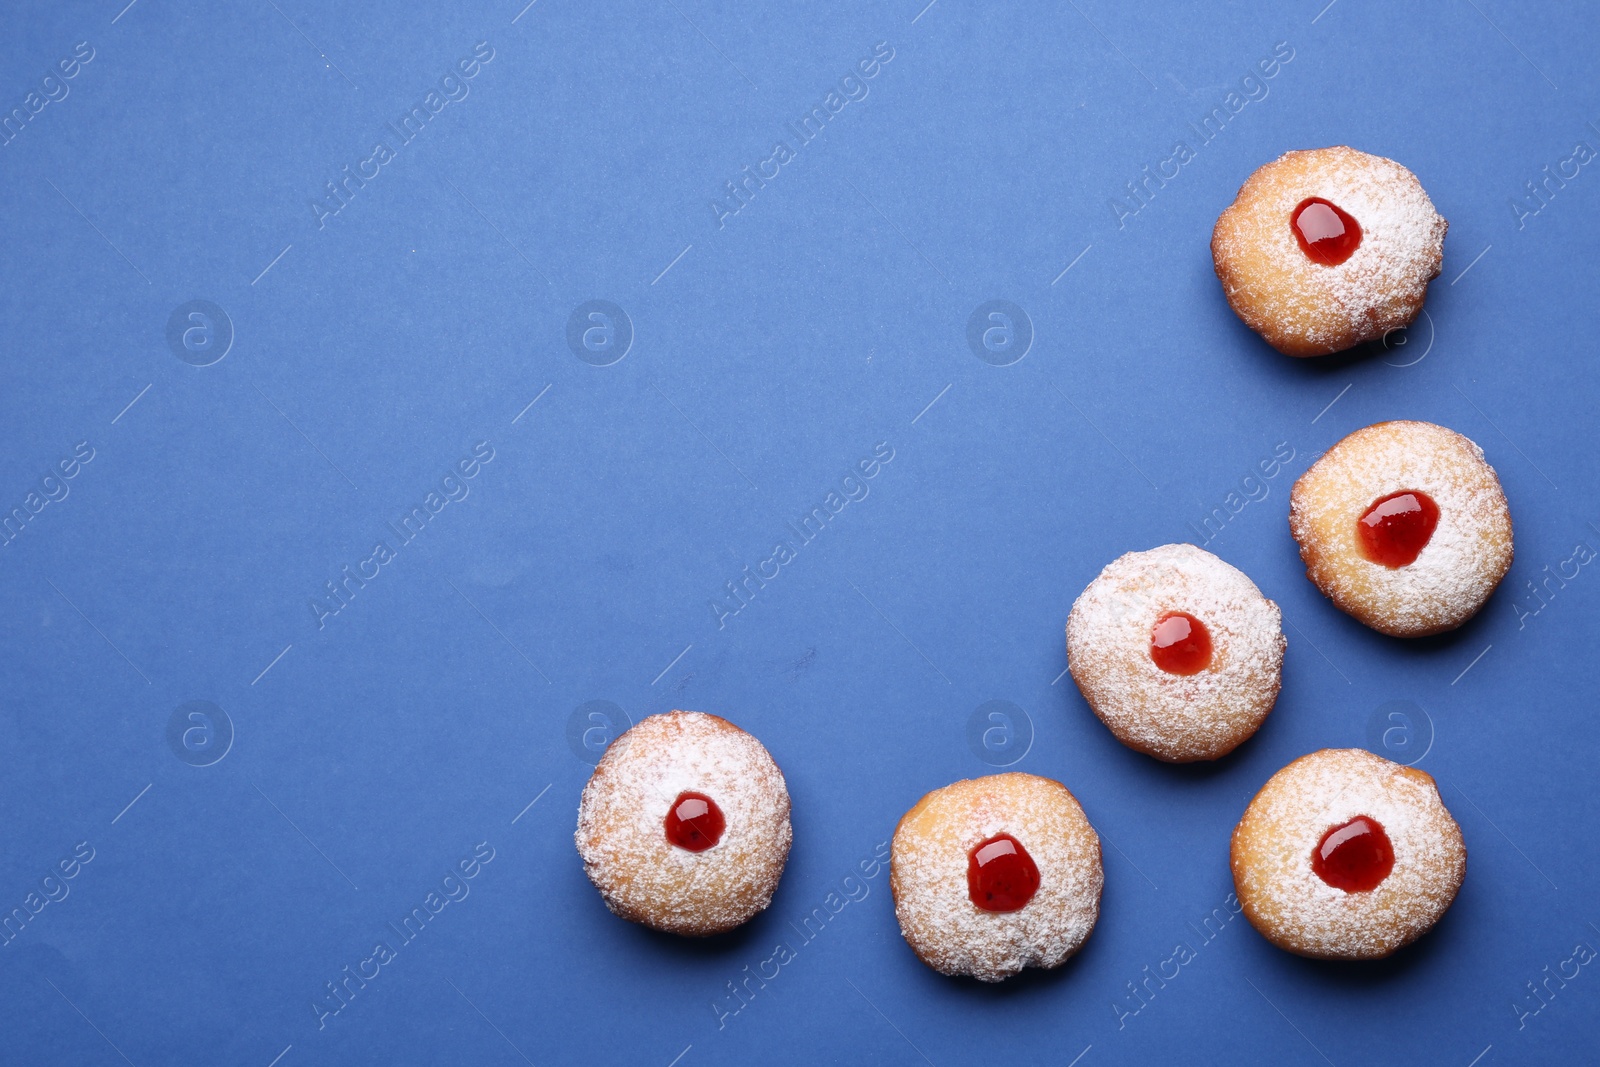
(769, 354)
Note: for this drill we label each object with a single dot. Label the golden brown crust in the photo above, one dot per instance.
(1285, 900)
(1470, 551)
(1303, 308)
(928, 876)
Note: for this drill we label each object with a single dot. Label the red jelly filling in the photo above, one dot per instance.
(1396, 528)
(1327, 233)
(1180, 643)
(694, 822)
(1001, 876)
(1355, 857)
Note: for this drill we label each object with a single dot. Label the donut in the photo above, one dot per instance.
(1344, 855)
(1325, 249)
(684, 825)
(991, 875)
(1177, 652)
(1404, 526)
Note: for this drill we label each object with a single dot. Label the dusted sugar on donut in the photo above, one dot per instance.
(1176, 717)
(1305, 302)
(1464, 558)
(933, 854)
(631, 812)
(1282, 830)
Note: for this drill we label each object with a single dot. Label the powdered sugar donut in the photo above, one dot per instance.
(991, 875)
(684, 825)
(1403, 525)
(1177, 652)
(1325, 249)
(1345, 855)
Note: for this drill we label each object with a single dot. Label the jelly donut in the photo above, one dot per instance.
(1404, 526)
(991, 875)
(684, 825)
(1177, 652)
(1325, 249)
(1344, 855)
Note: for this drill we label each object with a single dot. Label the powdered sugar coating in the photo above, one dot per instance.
(1304, 308)
(1177, 718)
(928, 876)
(1458, 569)
(1295, 909)
(621, 833)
